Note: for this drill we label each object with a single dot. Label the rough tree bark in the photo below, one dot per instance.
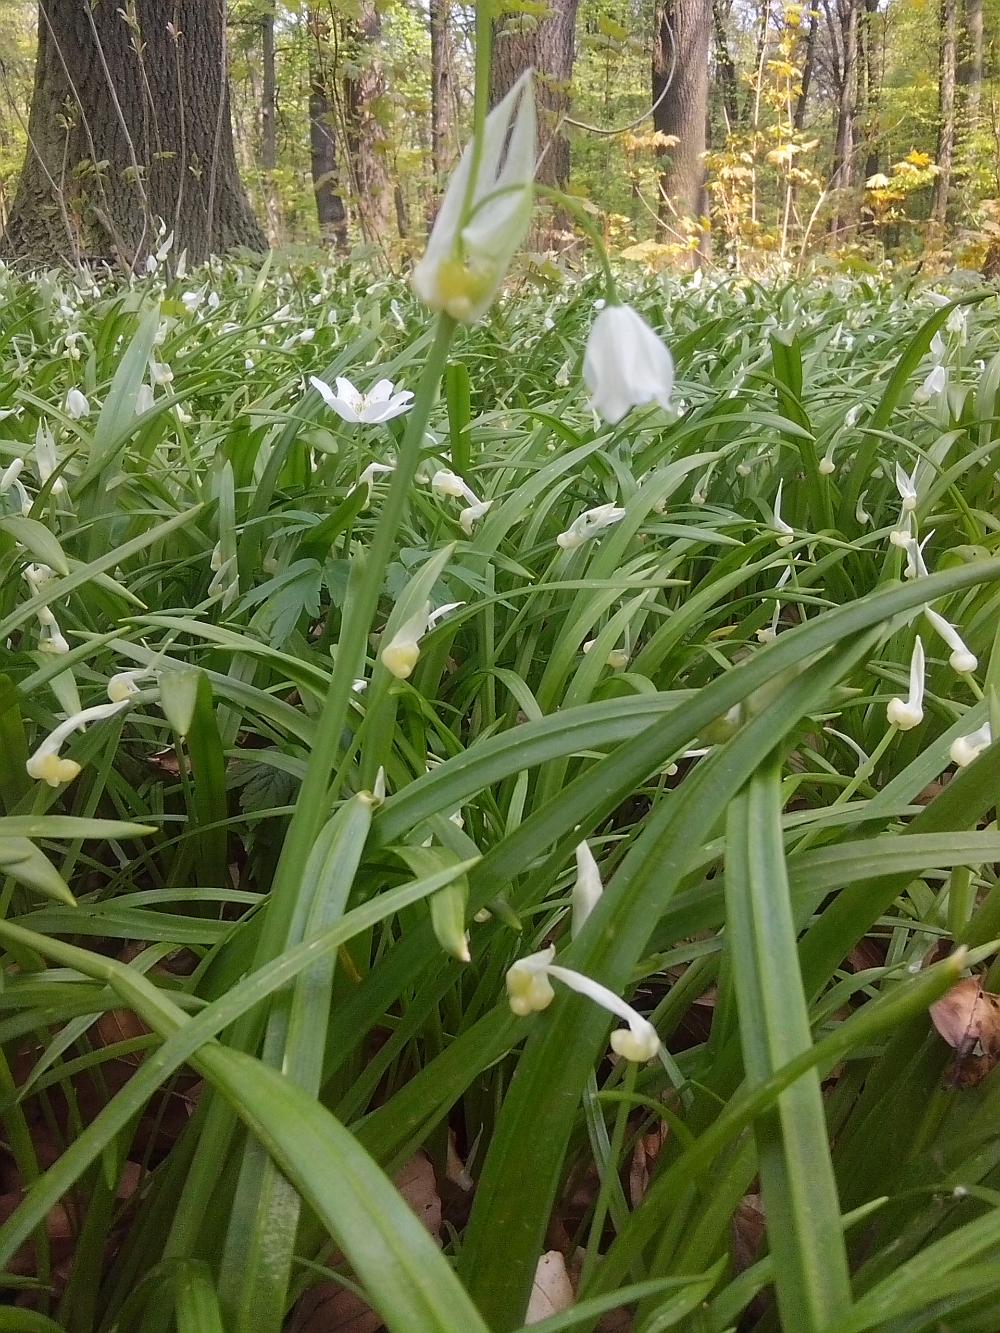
(726, 67)
(972, 64)
(681, 41)
(843, 171)
(871, 85)
(946, 110)
(549, 47)
(808, 66)
(269, 126)
(147, 136)
(323, 139)
(367, 144)
(438, 11)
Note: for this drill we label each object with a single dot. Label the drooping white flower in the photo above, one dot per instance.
(47, 459)
(529, 990)
(400, 654)
(441, 612)
(371, 409)
(935, 384)
(45, 765)
(967, 748)
(587, 887)
(9, 482)
(957, 322)
(769, 634)
(827, 467)
(639, 1041)
(77, 405)
(471, 515)
(124, 684)
(860, 512)
(906, 485)
(482, 219)
(915, 566)
(909, 713)
(445, 482)
(786, 533)
(160, 372)
(625, 364)
(961, 660)
(617, 658)
(367, 478)
(588, 525)
(144, 399)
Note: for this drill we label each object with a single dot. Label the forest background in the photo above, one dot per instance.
(750, 130)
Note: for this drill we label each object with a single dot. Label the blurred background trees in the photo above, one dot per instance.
(750, 129)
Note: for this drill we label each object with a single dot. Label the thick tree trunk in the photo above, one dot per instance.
(439, 11)
(147, 136)
(549, 47)
(843, 173)
(726, 68)
(681, 42)
(946, 111)
(808, 66)
(873, 87)
(323, 141)
(366, 138)
(972, 64)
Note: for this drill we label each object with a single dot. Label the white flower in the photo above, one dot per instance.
(961, 660)
(967, 748)
(915, 567)
(935, 384)
(378, 405)
(144, 399)
(769, 634)
(77, 405)
(45, 765)
(625, 364)
(910, 713)
(906, 485)
(826, 464)
(588, 525)
(482, 221)
(9, 482)
(860, 512)
(160, 372)
(957, 322)
(471, 515)
(528, 987)
(122, 686)
(400, 654)
(587, 888)
(445, 482)
(786, 534)
(853, 415)
(639, 1041)
(441, 612)
(47, 460)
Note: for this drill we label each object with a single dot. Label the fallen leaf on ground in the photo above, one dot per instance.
(551, 1291)
(968, 1018)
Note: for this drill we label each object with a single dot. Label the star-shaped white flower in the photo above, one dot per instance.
(379, 404)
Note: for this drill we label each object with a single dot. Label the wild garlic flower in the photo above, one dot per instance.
(47, 459)
(915, 566)
(529, 990)
(625, 364)
(483, 218)
(587, 888)
(786, 533)
(617, 658)
(909, 713)
(381, 403)
(441, 612)
(471, 515)
(400, 654)
(367, 478)
(77, 405)
(9, 482)
(46, 765)
(906, 485)
(445, 482)
(860, 512)
(770, 633)
(588, 524)
(125, 684)
(144, 399)
(902, 535)
(961, 660)
(967, 748)
(933, 386)
(827, 467)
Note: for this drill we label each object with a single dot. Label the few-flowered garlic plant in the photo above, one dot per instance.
(961, 660)
(588, 524)
(915, 566)
(529, 990)
(47, 460)
(381, 403)
(909, 713)
(770, 632)
(625, 364)
(46, 764)
(471, 515)
(827, 467)
(967, 748)
(906, 485)
(124, 684)
(484, 216)
(367, 478)
(934, 385)
(786, 533)
(400, 654)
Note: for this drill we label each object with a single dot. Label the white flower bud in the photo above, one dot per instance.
(625, 364)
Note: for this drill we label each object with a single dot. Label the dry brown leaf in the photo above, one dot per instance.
(968, 1018)
(551, 1291)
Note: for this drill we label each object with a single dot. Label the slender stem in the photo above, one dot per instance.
(316, 795)
(610, 1173)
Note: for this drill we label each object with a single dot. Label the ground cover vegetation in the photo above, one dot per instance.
(734, 660)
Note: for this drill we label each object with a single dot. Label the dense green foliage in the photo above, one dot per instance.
(701, 692)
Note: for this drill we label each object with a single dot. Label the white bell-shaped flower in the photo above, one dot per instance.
(625, 364)
(77, 405)
(967, 748)
(529, 990)
(401, 653)
(588, 525)
(483, 219)
(909, 713)
(639, 1041)
(786, 533)
(961, 660)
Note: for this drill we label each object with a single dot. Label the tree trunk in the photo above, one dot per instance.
(269, 128)
(681, 41)
(873, 88)
(549, 47)
(726, 68)
(367, 143)
(323, 141)
(808, 66)
(946, 111)
(972, 65)
(440, 87)
(843, 172)
(129, 124)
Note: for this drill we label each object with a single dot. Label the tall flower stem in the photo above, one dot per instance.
(316, 793)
